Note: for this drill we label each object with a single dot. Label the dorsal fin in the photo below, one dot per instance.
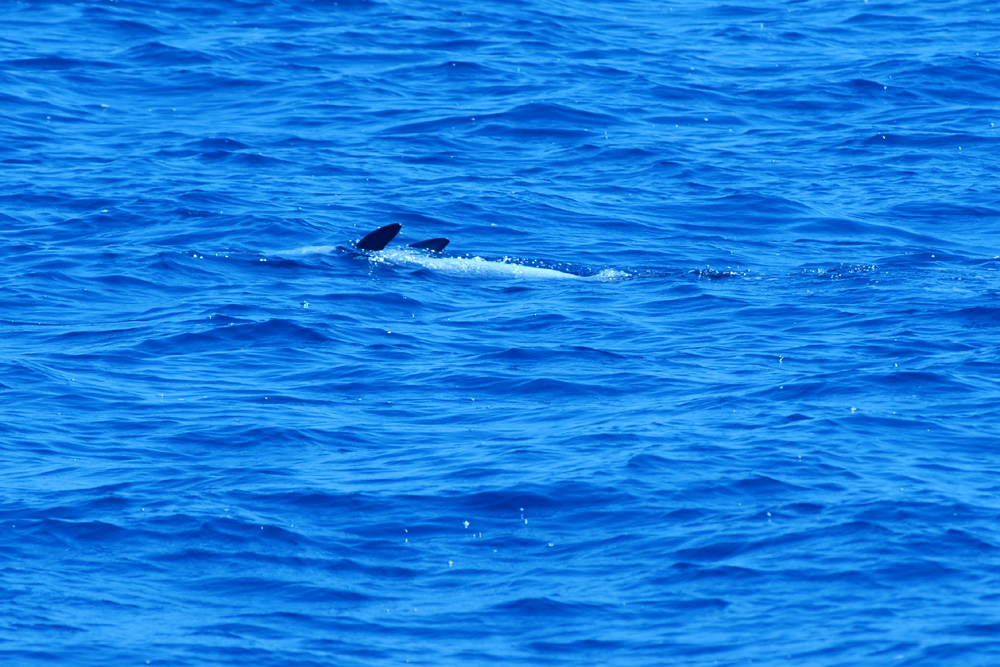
(434, 245)
(379, 238)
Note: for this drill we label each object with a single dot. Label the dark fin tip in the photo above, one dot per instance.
(379, 238)
(434, 245)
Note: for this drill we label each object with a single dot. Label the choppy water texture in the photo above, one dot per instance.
(763, 428)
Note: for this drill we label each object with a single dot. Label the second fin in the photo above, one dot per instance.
(434, 245)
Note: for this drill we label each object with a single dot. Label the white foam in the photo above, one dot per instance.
(611, 276)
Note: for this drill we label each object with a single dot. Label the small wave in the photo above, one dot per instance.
(612, 276)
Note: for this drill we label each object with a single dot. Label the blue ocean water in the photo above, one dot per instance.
(758, 422)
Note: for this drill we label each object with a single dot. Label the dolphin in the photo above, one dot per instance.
(426, 254)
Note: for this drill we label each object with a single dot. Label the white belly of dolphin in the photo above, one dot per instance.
(470, 266)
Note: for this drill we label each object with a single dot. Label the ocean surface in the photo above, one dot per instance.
(709, 373)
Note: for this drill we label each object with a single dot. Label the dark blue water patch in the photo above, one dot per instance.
(157, 53)
(232, 335)
(56, 63)
(978, 316)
